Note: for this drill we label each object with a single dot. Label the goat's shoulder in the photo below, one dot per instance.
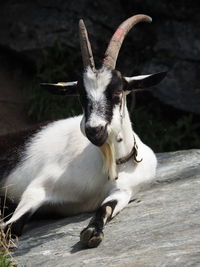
(13, 144)
(53, 139)
(42, 138)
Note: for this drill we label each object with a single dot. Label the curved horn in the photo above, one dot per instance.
(118, 38)
(86, 49)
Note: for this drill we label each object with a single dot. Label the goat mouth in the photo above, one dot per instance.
(98, 141)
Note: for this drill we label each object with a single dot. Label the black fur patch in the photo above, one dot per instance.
(113, 94)
(98, 220)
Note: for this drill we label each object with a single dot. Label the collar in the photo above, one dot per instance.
(133, 153)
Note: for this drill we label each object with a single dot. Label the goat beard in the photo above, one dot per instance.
(109, 163)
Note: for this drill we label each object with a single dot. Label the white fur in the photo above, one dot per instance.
(136, 78)
(62, 170)
(95, 85)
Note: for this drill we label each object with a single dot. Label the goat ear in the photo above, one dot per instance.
(61, 88)
(143, 81)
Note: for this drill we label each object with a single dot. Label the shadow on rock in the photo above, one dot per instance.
(43, 231)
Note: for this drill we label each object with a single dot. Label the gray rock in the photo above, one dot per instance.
(177, 50)
(160, 228)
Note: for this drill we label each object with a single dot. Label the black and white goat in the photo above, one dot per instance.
(92, 162)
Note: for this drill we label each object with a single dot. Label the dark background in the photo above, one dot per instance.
(39, 43)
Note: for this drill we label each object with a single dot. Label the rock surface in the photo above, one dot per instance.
(171, 42)
(160, 228)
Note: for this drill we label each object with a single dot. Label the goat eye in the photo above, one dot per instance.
(89, 107)
(116, 99)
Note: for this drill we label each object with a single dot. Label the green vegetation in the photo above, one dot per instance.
(162, 127)
(5, 260)
(163, 133)
(6, 243)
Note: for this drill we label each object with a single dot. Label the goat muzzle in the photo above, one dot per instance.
(97, 135)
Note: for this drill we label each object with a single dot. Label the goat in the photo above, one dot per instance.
(92, 162)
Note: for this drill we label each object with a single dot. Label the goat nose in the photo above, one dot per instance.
(97, 135)
(94, 130)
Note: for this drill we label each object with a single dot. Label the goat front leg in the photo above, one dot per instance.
(92, 235)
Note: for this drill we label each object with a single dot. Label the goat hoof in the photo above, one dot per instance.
(91, 237)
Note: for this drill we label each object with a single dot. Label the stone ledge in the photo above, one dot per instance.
(161, 228)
